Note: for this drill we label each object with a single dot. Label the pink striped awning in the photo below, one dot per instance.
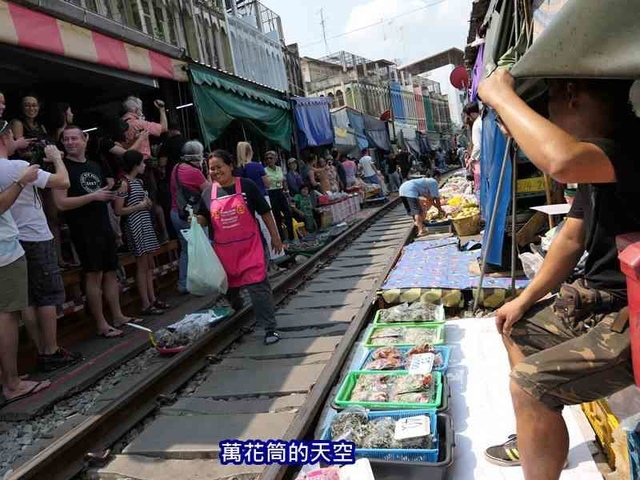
(37, 31)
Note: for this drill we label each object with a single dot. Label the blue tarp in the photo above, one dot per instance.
(356, 121)
(377, 134)
(494, 144)
(313, 121)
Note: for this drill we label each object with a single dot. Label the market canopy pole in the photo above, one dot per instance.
(492, 222)
(514, 243)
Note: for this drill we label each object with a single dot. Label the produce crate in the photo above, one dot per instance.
(530, 185)
(604, 422)
(393, 470)
(439, 317)
(633, 443)
(444, 350)
(467, 226)
(398, 454)
(342, 399)
(439, 327)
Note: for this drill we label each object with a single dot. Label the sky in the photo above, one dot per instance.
(401, 31)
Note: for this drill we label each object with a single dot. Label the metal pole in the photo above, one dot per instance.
(514, 243)
(492, 222)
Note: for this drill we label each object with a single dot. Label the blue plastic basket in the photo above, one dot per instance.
(633, 442)
(393, 454)
(444, 350)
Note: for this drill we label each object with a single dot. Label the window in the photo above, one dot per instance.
(340, 98)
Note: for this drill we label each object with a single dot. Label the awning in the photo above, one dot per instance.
(222, 99)
(376, 132)
(587, 39)
(33, 30)
(313, 121)
(344, 137)
(356, 120)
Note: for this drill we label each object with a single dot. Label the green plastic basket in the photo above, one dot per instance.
(439, 327)
(349, 383)
(440, 320)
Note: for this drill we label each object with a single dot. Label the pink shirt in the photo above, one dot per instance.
(190, 177)
(136, 125)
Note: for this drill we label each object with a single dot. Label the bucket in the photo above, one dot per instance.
(629, 255)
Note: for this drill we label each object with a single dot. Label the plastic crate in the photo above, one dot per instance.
(603, 422)
(530, 185)
(393, 470)
(398, 454)
(444, 350)
(439, 318)
(633, 444)
(342, 399)
(439, 327)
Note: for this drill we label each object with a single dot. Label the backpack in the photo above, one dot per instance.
(184, 196)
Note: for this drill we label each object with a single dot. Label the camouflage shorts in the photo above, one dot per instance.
(563, 367)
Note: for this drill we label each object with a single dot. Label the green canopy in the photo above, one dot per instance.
(221, 99)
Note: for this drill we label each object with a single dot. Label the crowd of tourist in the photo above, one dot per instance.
(69, 199)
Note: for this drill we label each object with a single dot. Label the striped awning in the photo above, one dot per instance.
(34, 30)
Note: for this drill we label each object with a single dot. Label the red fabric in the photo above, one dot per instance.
(237, 240)
(161, 65)
(111, 52)
(190, 177)
(36, 30)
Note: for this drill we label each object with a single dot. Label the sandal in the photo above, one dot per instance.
(161, 305)
(36, 388)
(129, 320)
(111, 333)
(151, 311)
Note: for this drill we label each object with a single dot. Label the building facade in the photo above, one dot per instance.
(294, 70)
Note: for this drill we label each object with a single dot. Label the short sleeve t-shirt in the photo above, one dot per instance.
(420, 187)
(366, 163)
(27, 210)
(350, 170)
(190, 177)
(250, 192)
(254, 172)
(93, 218)
(136, 125)
(10, 248)
(609, 210)
(276, 178)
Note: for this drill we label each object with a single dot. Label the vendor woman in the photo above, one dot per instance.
(418, 196)
(229, 207)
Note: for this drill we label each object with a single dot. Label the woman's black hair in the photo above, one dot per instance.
(115, 128)
(471, 108)
(225, 156)
(56, 115)
(131, 159)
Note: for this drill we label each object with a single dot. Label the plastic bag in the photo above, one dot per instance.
(205, 274)
(531, 263)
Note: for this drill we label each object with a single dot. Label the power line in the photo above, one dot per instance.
(382, 21)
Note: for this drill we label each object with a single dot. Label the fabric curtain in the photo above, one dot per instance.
(494, 145)
(313, 121)
(356, 120)
(376, 132)
(219, 101)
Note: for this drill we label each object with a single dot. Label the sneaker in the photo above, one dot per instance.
(271, 337)
(507, 454)
(61, 359)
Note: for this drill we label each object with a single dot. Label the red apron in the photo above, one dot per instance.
(236, 238)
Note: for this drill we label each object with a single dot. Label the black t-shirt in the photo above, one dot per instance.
(342, 174)
(392, 165)
(250, 191)
(172, 149)
(609, 210)
(110, 162)
(93, 218)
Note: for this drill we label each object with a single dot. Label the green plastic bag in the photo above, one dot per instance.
(205, 273)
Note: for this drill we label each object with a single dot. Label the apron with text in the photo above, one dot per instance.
(237, 240)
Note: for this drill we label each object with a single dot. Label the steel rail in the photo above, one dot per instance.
(66, 456)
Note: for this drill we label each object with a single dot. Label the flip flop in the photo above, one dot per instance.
(129, 320)
(110, 333)
(151, 312)
(37, 388)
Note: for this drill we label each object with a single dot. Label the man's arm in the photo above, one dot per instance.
(563, 256)
(163, 115)
(64, 202)
(549, 147)
(11, 194)
(60, 179)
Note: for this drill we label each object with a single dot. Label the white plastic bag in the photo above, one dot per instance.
(205, 273)
(531, 263)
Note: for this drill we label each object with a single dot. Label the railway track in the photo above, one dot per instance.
(363, 255)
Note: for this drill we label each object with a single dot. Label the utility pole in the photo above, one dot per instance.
(323, 24)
